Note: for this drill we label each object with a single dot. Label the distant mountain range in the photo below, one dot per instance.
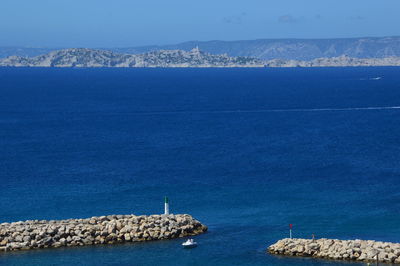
(292, 49)
(101, 58)
(83, 57)
(266, 49)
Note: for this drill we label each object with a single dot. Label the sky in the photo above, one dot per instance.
(127, 23)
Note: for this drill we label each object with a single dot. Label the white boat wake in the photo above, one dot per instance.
(271, 110)
(336, 109)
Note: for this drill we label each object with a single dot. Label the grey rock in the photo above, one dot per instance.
(96, 230)
(357, 250)
(101, 58)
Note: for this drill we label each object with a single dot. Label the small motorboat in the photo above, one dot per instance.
(189, 244)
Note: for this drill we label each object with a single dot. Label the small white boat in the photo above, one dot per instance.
(189, 244)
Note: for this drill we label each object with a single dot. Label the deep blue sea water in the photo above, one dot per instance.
(245, 151)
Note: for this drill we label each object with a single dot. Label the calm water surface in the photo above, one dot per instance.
(245, 151)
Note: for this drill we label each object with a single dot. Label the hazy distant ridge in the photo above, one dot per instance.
(294, 49)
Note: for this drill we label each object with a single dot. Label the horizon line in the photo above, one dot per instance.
(201, 41)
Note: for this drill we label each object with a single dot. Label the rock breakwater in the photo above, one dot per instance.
(109, 229)
(355, 250)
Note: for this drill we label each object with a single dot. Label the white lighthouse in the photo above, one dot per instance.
(166, 206)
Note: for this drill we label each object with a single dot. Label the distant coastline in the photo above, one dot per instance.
(82, 57)
(195, 58)
(264, 49)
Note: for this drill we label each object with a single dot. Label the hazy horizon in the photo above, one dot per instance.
(188, 41)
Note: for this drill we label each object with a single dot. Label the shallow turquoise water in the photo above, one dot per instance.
(226, 146)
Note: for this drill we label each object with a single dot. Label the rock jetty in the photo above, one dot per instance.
(350, 250)
(109, 229)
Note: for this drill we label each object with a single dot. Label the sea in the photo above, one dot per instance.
(245, 151)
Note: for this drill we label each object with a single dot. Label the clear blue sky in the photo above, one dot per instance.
(121, 23)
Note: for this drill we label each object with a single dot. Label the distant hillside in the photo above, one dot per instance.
(178, 58)
(100, 58)
(340, 61)
(296, 49)
(292, 49)
(23, 51)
